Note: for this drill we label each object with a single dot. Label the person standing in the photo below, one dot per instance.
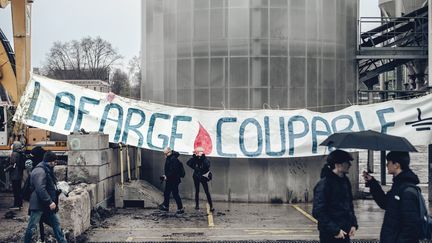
(201, 166)
(44, 199)
(16, 168)
(173, 171)
(333, 200)
(401, 222)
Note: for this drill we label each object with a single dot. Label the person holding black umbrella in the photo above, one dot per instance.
(333, 200)
(401, 204)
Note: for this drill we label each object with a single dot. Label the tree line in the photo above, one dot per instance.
(93, 58)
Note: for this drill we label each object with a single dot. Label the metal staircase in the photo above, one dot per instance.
(397, 41)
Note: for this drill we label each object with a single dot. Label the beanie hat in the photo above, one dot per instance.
(339, 157)
(38, 151)
(49, 156)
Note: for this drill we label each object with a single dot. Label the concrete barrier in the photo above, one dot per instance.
(74, 211)
(94, 169)
(137, 190)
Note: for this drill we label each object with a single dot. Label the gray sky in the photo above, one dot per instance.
(118, 22)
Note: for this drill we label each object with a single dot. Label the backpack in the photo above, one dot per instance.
(425, 218)
(182, 172)
(27, 189)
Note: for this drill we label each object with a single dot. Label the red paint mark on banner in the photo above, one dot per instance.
(203, 139)
(110, 96)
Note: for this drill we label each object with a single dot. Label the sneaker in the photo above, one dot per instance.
(180, 211)
(212, 210)
(163, 208)
(15, 208)
(196, 207)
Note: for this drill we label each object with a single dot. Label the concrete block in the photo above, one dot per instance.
(89, 157)
(88, 174)
(92, 141)
(91, 189)
(104, 190)
(60, 172)
(74, 211)
(137, 190)
(114, 161)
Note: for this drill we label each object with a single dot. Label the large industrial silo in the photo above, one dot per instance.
(250, 54)
(388, 7)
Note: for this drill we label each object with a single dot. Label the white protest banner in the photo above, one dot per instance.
(63, 108)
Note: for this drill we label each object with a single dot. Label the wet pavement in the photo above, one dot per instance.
(231, 221)
(12, 223)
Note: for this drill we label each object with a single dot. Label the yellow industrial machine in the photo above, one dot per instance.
(15, 70)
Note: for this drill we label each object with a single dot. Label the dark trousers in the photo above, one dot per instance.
(172, 187)
(197, 182)
(16, 188)
(325, 238)
(44, 220)
(53, 219)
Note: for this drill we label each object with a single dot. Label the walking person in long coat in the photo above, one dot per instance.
(44, 198)
(333, 200)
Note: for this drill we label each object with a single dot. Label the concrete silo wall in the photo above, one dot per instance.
(250, 54)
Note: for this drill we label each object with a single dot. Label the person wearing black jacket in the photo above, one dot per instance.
(44, 198)
(172, 174)
(16, 168)
(333, 200)
(201, 166)
(401, 222)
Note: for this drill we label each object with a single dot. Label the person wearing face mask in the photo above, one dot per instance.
(333, 200)
(44, 198)
(201, 166)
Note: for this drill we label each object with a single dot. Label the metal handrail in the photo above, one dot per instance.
(393, 30)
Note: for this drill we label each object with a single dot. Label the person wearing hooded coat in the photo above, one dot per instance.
(201, 166)
(333, 200)
(172, 174)
(401, 222)
(37, 154)
(16, 169)
(44, 198)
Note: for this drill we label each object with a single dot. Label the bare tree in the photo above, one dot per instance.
(120, 83)
(134, 69)
(89, 58)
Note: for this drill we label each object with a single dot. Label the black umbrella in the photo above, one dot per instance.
(370, 140)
